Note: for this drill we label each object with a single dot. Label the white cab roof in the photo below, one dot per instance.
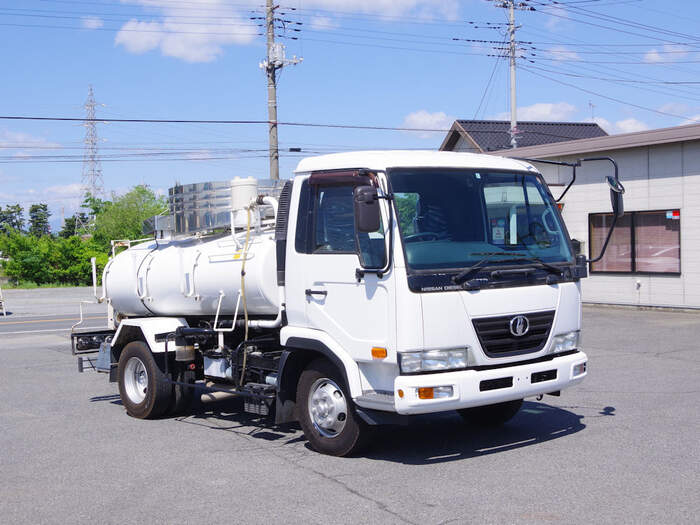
(381, 160)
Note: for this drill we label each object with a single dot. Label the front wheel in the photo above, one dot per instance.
(326, 413)
(491, 415)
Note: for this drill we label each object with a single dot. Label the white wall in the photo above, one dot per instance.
(465, 145)
(656, 178)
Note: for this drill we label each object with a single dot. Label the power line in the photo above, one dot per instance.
(659, 112)
(249, 122)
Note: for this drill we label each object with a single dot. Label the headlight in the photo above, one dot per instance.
(565, 342)
(432, 360)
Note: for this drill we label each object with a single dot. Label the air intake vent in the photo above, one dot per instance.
(497, 339)
(281, 230)
(283, 211)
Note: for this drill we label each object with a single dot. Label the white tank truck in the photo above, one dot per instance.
(371, 287)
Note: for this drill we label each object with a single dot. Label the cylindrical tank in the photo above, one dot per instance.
(185, 277)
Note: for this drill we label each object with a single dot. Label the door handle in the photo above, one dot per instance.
(309, 291)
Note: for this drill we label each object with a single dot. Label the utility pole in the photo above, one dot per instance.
(513, 105)
(511, 5)
(92, 169)
(275, 60)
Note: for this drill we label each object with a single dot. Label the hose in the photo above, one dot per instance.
(243, 298)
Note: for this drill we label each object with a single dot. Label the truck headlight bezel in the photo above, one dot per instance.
(566, 342)
(436, 360)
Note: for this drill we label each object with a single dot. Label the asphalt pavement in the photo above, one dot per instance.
(622, 447)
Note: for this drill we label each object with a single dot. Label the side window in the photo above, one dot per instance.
(302, 239)
(334, 229)
(326, 224)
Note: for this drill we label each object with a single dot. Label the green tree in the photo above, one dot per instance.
(406, 205)
(12, 218)
(39, 220)
(94, 205)
(74, 225)
(123, 217)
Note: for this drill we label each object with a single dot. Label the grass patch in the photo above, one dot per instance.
(29, 285)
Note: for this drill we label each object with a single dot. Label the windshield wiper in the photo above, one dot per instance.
(539, 264)
(513, 256)
(488, 257)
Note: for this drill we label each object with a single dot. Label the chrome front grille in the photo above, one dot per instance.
(497, 340)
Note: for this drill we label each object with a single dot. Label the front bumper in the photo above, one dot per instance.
(469, 389)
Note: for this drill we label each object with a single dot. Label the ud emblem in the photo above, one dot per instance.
(519, 325)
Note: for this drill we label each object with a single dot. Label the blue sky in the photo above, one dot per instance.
(627, 64)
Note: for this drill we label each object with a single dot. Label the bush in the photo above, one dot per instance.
(45, 259)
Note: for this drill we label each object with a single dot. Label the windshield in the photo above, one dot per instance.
(453, 218)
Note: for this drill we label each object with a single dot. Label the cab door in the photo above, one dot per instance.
(357, 314)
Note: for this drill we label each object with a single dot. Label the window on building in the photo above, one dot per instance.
(643, 242)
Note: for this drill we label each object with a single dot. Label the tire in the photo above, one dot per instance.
(144, 389)
(491, 415)
(326, 412)
(182, 396)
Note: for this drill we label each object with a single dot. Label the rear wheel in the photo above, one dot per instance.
(326, 412)
(144, 389)
(491, 415)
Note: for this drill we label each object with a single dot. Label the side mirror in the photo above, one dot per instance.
(366, 204)
(616, 192)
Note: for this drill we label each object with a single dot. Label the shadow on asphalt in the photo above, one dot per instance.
(433, 438)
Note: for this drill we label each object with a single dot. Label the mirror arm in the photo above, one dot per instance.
(572, 165)
(379, 272)
(605, 244)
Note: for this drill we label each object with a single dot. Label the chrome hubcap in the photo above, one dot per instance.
(136, 380)
(327, 407)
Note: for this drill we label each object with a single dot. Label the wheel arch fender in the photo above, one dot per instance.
(299, 352)
(144, 330)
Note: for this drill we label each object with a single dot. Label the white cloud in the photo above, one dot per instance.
(65, 190)
(604, 123)
(558, 15)
(323, 23)
(220, 23)
(424, 120)
(218, 26)
(669, 53)
(677, 108)
(202, 154)
(695, 119)
(422, 8)
(630, 125)
(561, 53)
(542, 111)
(92, 22)
(652, 56)
(17, 140)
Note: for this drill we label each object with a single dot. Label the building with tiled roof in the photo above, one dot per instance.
(479, 136)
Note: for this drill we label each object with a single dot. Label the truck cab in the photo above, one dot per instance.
(467, 293)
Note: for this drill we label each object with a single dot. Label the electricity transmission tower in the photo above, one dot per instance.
(91, 182)
(275, 60)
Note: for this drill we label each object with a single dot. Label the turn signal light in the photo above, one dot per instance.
(426, 393)
(378, 353)
(435, 392)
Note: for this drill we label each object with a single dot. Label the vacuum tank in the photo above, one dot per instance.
(186, 272)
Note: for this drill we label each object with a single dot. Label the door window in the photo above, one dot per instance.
(327, 225)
